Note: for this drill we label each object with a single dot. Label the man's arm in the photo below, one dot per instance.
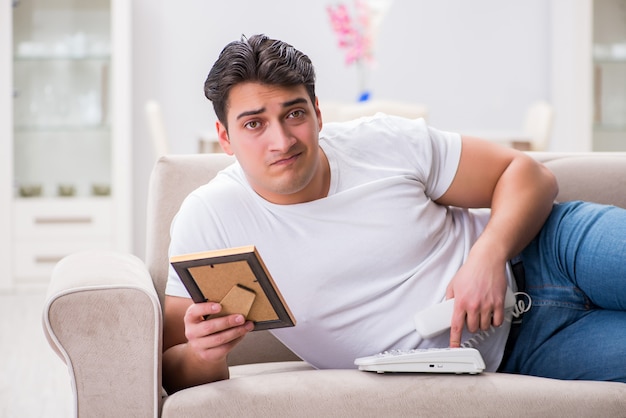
(520, 193)
(195, 349)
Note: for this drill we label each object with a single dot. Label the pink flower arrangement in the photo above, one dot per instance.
(354, 35)
(357, 35)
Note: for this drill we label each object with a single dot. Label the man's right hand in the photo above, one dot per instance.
(212, 339)
(195, 349)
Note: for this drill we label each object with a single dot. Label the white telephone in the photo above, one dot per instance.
(436, 319)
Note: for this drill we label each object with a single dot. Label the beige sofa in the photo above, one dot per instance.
(103, 317)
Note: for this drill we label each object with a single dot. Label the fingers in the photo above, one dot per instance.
(475, 319)
(198, 311)
(498, 315)
(456, 327)
(213, 338)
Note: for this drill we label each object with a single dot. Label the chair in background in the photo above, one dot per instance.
(156, 126)
(208, 142)
(538, 125)
(534, 134)
(340, 112)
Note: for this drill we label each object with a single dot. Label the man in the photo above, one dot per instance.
(364, 223)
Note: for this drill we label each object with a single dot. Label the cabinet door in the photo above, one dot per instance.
(61, 78)
(609, 77)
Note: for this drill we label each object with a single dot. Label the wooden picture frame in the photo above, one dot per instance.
(239, 280)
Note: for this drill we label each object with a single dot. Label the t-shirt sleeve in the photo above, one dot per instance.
(174, 286)
(430, 154)
(178, 232)
(444, 163)
(408, 146)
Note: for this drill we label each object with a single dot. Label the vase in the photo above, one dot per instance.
(363, 81)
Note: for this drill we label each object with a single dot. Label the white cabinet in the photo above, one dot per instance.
(609, 75)
(588, 74)
(65, 121)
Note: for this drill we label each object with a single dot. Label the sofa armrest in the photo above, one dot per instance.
(103, 318)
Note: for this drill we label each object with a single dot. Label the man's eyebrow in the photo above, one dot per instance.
(295, 101)
(250, 113)
(261, 110)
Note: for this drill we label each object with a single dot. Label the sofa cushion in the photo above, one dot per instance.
(293, 389)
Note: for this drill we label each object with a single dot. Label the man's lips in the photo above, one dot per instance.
(286, 160)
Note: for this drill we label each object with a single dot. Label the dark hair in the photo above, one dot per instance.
(257, 59)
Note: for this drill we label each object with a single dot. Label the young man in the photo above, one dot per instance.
(364, 223)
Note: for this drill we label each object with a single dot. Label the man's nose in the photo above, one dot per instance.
(281, 138)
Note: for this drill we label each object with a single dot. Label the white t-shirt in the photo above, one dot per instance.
(355, 266)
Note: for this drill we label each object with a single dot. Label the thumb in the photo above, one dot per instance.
(449, 292)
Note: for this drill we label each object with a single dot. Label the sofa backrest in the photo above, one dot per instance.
(595, 176)
(599, 177)
(173, 178)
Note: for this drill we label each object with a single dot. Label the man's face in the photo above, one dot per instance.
(273, 132)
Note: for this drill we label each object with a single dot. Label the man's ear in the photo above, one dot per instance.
(222, 137)
(318, 112)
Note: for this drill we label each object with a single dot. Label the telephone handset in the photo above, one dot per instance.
(436, 319)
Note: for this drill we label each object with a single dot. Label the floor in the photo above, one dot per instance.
(34, 382)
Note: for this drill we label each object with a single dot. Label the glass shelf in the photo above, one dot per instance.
(44, 161)
(69, 58)
(42, 200)
(609, 60)
(97, 129)
(609, 52)
(607, 127)
(61, 93)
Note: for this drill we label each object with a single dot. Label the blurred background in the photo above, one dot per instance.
(136, 69)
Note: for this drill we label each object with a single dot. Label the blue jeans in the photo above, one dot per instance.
(576, 277)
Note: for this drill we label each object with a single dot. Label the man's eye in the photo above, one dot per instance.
(296, 114)
(252, 124)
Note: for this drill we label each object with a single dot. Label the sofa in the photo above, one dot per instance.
(103, 318)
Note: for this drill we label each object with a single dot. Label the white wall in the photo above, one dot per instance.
(476, 64)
